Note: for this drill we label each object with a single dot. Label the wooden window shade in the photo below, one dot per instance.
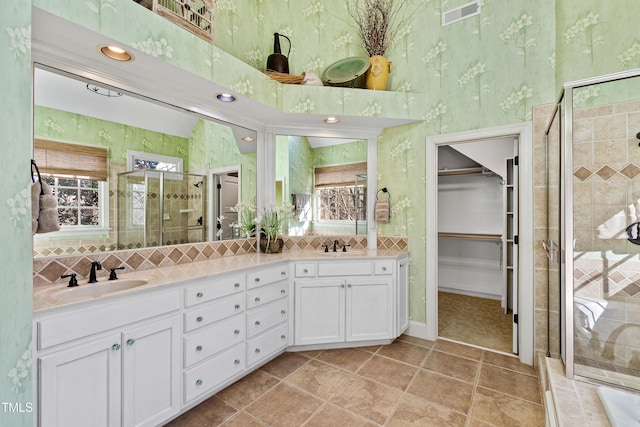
(80, 161)
(328, 176)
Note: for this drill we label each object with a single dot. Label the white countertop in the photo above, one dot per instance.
(46, 298)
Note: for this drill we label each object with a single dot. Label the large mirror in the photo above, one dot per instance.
(172, 176)
(326, 181)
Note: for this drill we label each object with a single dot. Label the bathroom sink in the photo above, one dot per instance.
(342, 254)
(95, 290)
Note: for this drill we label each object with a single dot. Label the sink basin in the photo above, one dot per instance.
(95, 290)
(342, 254)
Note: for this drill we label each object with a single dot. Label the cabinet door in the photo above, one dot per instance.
(151, 373)
(81, 386)
(319, 311)
(402, 293)
(369, 313)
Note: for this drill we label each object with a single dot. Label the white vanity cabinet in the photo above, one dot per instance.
(267, 312)
(108, 365)
(344, 301)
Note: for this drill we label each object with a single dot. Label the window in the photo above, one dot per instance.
(151, 161)
(340, 192)
(80, 202)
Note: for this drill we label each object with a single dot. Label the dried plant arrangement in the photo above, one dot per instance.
(378, 22)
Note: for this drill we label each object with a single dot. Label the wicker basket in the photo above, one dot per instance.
(290, 79)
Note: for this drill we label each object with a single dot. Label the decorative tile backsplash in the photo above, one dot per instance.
(47, 271)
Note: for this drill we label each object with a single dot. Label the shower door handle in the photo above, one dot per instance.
(551, 249)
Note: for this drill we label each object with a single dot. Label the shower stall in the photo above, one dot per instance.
(157, 208)
(593, 228)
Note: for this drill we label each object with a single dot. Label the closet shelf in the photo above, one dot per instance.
(471, 236)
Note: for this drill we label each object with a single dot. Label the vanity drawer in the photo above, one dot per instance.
(261, 319)
(213, 288)
(267, 275)
(213, 339)
(213, 311)
(344, 268)
(214, 372)
(307, 269)
(383, 267)
(81, 323)
(264, 294)
(265, 345)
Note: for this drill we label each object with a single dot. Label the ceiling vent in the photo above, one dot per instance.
(463, 12)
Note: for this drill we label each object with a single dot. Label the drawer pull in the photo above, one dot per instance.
(131, 341)
(115, 347)
(384, 268)
(199, 348)
(236, 332)
(257, 299)
(348, 285)
(257, 279)
(342, 285)
(305, 271)
(199, 295)
(257, 323)
(199, 319)
(283, 273)
(283, 337)
(283, 291)
(237, 306)
(236, 362)
(283, 312)
(257, 350)
(199, 382)
(237, 285)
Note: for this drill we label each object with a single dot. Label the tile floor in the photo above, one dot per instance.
(411, 382)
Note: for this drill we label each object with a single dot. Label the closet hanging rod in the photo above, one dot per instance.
(461, 171)
(471, 236)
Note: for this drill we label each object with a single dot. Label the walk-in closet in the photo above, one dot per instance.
(477, 243)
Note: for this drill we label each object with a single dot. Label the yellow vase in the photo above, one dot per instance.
(378, 73)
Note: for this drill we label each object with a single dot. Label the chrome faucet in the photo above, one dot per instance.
(95, 265)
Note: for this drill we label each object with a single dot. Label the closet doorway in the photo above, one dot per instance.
(477, 242)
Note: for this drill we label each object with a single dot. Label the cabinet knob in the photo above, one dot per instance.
(199, 348)
(115, 347)
(199, 295)
(257, 323)
(283, 273)
(257, 279)
(199, 319)
(305, 271)
(237, 285)
(342, 285)
(237, 306)
(283, 291)
(257, 299)
(199, 382)
(283, 312)
(236, 362)
(283, 337)
(131, 341)
(257, 350)
(236, 332)
(348, 285)
(384, 268)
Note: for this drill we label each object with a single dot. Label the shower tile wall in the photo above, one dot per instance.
(606, 265)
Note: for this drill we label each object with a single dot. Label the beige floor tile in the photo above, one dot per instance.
(320, 379)
(350, 359)
(389, 372)
(510, 382)
(447, 391)
(283, 406)
(509, 362)
(242, 420)
(368, 399)
(248, 389)
(333, 416)
(404, 352)
(451, 365)
(416, 341)
(501, 410)
(419, 412)
(284, 365)
(458, 349)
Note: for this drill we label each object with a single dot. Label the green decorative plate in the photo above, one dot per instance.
(348, 72)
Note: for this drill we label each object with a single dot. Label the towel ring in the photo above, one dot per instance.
(383, 190)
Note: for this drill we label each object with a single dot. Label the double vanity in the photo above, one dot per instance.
(149, 346)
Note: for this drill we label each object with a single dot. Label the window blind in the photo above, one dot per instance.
(79, 161)
(327, 176)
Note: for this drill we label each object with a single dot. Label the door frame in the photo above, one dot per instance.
(213, 204)
(526, 294)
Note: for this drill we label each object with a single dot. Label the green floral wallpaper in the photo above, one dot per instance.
(350, 152)
(485, 71)
(300, 166)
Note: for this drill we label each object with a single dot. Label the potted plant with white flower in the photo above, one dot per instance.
(271, 221)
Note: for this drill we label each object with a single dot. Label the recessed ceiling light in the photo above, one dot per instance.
(331, 120)
(115, 52)
(248, 139)
(226, 97)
